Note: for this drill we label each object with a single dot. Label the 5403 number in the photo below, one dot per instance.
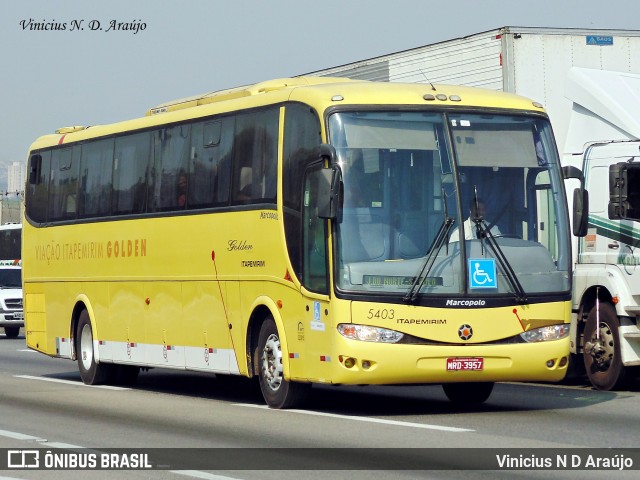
(381, 313)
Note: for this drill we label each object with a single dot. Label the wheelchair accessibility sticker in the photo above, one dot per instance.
(482, 273)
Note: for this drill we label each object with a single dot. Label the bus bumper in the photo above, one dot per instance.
(359, 363)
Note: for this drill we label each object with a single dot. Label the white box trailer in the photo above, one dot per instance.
(589, 82)
(529, 61)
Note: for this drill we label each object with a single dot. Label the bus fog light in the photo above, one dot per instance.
(551, 363)
(563, 362)
(367, 333)
(545, 334)
(366, 364)
(349, 362)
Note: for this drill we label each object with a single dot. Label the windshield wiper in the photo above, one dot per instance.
(439, 241)
(484, 232)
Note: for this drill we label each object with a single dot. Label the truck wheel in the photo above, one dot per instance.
(92, 373)
(277, 392)
(11, 332)
(468, 393)
(602, 359)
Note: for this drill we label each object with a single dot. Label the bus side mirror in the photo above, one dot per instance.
(624, 191)
(329, 184)
(327, 153)
(328, 192)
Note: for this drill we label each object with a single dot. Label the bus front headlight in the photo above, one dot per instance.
(545, 334)
(367, 333)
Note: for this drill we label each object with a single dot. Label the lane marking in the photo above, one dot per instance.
(20, 436)
(27, 350)
(199, 474)
(68, 446)
(70, 382)
(363, 419)
(31, 438)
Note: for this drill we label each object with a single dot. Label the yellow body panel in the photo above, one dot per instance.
(144, 286)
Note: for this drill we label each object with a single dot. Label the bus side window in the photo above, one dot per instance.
(95, 182)
(130, 167)
(211, 144)
(172, 148)
(255, 148)
(64, 183)
(38, 188)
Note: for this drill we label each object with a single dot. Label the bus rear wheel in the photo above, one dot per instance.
(601, 352)
(468, 393)
(277, 392)
(91, 372)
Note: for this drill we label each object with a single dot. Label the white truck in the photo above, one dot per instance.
(589, 83)
(603, 139)
(11, 301)
(11, 305)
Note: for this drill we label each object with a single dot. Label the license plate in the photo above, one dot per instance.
(18, 315)
(465, 363)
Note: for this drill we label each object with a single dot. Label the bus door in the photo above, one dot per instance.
(316, 326)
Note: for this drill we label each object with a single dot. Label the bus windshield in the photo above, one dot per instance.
(446, 204)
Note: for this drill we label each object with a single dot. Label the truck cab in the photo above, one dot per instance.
(607, 269)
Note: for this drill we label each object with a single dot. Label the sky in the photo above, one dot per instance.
(85, 75)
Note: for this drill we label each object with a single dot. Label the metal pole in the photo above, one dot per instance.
(598, 313)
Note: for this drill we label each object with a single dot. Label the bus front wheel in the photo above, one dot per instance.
(91, 372)
(468, 393)
(601, 354)
(277, 392)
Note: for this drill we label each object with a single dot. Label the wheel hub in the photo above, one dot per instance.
(602, 349)
(272, 362)
(86, 347)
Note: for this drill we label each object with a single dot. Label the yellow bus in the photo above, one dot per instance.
(305, 230)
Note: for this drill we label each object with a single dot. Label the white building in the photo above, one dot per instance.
(15, 177)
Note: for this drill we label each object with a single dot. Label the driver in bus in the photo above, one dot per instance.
(470, 229)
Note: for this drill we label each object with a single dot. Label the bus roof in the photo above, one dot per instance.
(319, 92)
(245, 91)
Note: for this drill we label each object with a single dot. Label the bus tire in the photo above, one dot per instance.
(602, 359)
(468, 393)
(277, 392)
(11, 332)
(91, 372)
